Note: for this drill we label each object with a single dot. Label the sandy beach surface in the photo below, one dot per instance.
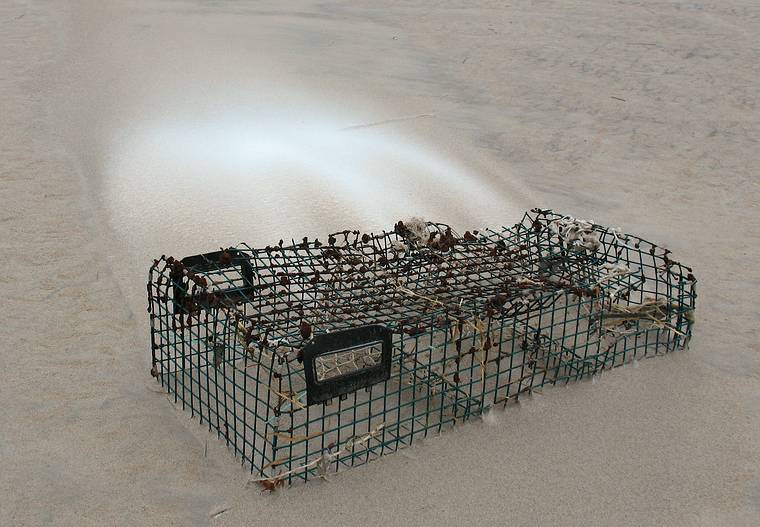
(128, 131)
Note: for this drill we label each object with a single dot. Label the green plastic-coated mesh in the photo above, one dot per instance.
(465, 323)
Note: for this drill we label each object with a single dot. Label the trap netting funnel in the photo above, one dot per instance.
(312, 357)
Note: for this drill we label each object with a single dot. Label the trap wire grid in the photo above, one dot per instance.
(312, 357)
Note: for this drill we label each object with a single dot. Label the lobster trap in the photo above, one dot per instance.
(308, 358)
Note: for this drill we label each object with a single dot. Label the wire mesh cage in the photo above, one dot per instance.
(308, 358)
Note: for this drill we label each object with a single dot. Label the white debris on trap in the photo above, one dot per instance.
(399, 246)
(418, 230)
(576, 233)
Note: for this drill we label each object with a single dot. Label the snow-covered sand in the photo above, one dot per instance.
(176, 127)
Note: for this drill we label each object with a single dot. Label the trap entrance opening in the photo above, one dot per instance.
(340, 363)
